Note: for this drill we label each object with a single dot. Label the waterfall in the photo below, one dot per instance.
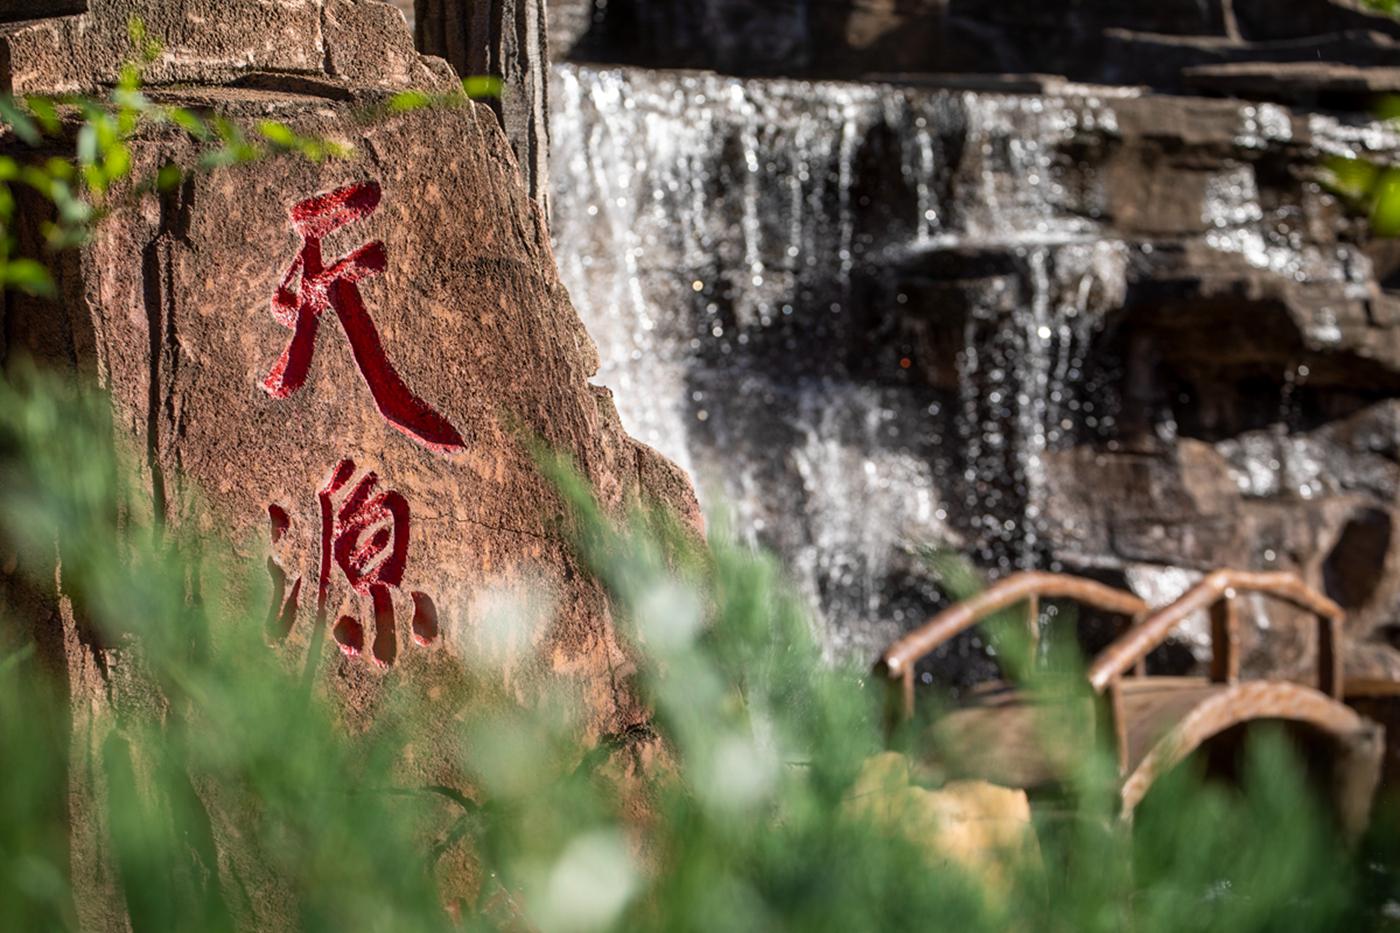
(772, 270)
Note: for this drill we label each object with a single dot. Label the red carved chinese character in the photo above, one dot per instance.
(365, 534)
(283, 613)
(299, 306)
(367, 538)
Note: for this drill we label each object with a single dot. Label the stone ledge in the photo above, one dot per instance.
(365, 44)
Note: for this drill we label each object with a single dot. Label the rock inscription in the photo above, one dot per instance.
(310, 287)
(365, 534)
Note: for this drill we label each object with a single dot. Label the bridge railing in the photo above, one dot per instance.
(898, 662)
(1217, 594)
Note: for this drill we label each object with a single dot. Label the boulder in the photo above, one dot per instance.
(977, 828)
(339, 367)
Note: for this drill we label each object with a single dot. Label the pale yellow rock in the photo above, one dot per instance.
(983, 829)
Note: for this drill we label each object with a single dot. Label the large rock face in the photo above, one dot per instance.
(343, 364)
(1045, 325)
(212, 41)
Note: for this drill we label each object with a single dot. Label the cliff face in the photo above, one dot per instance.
(1045, 323)
(343, 363)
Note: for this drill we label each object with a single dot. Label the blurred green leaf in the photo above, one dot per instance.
(481, 87)
(169, 177)
(409, 100)
(279, 134)
(29, 276)
(189, 122)
(147, 48)
(87, 144)
(45, 113)
(14, 117)
(1352, 178)
(1385, 210)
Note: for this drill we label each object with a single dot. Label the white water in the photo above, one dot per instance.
(863, 316)
(721, 239)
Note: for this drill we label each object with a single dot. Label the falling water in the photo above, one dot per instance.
(740, 252)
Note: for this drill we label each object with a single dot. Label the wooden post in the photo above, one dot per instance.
(1032, 631)
(1224, 642)
(505, 39)
(1330, 656)
(1140, 666)
(1119, 725)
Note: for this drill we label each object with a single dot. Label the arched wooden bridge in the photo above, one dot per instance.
(999, 734)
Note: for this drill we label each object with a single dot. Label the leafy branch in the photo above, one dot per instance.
(90, 145)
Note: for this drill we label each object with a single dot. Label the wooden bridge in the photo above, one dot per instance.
(999, 733)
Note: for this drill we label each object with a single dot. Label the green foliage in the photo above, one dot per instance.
(474, 87)
(83, 154)
(1372, 187)
(480, 87)
(225, 795)
(207, 732)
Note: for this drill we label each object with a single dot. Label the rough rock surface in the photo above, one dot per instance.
(214, 41)
(445, 342)
(506, 39)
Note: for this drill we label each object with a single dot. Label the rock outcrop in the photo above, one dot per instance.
(507, 40)
(343, 363)
(289, 42)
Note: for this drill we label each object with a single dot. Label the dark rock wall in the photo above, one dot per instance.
(1163, 44)
(508, 40)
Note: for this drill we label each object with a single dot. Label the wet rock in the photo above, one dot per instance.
(1070, 327)
(1323, 84)
(1261, 21)
(1169, 45)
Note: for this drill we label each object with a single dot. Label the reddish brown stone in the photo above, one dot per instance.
(175, 318)
(507, 40)
(214, 41)
(444, 344)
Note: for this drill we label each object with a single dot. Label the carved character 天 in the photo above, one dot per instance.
(311, 286)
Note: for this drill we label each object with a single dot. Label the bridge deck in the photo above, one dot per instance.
(1004, 736)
